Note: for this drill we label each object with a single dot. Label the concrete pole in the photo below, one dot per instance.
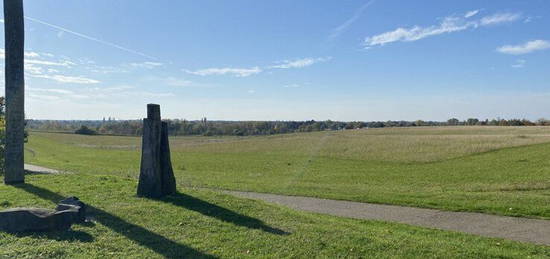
(14, 38)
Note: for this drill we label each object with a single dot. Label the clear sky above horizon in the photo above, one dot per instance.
(288, 59)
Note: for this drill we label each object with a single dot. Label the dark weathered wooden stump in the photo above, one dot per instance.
(156, 178)
(168, 179)
(14, 35)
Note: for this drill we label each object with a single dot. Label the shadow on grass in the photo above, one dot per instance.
(142, 236)
(212, 210)
(71, 236)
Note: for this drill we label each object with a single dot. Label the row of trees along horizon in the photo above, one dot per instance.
(205, 127)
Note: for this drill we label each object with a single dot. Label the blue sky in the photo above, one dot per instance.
(288, 59)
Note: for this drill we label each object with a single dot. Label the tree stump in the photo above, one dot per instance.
(156, 178)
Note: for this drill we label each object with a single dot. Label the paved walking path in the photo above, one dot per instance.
(519, 229)
(34, 169)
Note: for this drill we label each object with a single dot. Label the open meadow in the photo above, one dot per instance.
(494, 170)
(499, 170)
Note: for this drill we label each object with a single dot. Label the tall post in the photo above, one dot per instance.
(156, 178)
(14, 38)
(150, 178)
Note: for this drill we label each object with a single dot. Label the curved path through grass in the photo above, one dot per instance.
(513, 228)
(519, 229)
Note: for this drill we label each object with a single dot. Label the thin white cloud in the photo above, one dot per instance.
(114, 89)
(151, 94)
(64, 63)
(67, 79)
(448, 24)
(44, 97)
(106, 69)
(32, 69)
(172, 81)
(300, 63)
(30, 54)
(499, 18)
(237, 72)
(147, 65)
(528, 47)
(520, 63)
(245, 72)
(50, 55)
(291, 86)
(35, 68)
(84, 36)
(40, 68)
(51, 90)
(54, 94)
(471, 13)
(344, 26)
(27, 54)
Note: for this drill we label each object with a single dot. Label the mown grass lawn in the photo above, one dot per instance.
(204, 223)
(500, 170)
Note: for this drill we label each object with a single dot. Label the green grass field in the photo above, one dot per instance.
(493, 170)
(203, 223)
(500, 170)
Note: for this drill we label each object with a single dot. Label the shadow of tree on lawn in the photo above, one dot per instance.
(140, 235)
(71, 236)
(212, 210)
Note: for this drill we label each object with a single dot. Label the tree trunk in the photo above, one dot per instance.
(14, 30)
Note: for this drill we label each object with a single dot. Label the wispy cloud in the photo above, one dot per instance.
(172, 81)
(67, 79)
(528, 47)
(344, 26)
(299, 63)
(291, 86)
(147, 94)
(471, 13)
(499, 18)
(84, 36)
(519, 63)
(50, 90)
(44, 97)
(237, 72)
(39, 66)
(64, 63)
(106, 69)
(30, 54)
(27, 54)
(245, 72)
(448, 24)
(53, 94)
(146, 65)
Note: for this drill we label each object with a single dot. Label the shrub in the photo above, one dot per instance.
(85, 131)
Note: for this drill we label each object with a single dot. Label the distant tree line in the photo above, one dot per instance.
(246, 128)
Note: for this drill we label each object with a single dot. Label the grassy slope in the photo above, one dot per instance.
(448, 168)
(209, 224)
